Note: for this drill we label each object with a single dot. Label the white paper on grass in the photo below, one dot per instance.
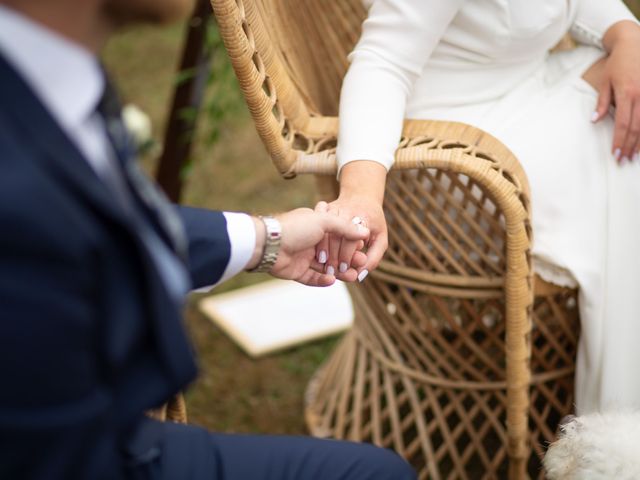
(278, 314)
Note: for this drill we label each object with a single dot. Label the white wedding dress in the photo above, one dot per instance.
(486, 63)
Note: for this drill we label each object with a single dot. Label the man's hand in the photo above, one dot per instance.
(302, 230)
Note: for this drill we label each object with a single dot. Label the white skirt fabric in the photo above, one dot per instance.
(586, 214)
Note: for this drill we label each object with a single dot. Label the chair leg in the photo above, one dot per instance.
(176, 409)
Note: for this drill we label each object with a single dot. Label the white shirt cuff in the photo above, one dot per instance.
(242, 238)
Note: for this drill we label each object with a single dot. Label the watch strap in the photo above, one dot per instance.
(273, 237)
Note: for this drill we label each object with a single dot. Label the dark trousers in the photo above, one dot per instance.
(191, 453)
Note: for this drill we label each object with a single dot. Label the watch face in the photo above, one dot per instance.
(274, 230)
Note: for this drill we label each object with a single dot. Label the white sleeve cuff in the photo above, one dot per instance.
(370, 124)
(242, 238)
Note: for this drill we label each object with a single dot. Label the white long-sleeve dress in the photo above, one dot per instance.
(486, 63)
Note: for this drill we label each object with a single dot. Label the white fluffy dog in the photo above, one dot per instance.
(596, 447)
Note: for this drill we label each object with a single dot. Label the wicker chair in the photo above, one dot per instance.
(459, 359)
(175, 410)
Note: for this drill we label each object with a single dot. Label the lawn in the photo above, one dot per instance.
(233, 392)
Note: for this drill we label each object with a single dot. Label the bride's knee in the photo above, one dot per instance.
(594, 74)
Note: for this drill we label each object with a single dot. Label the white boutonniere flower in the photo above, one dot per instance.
(139, 125)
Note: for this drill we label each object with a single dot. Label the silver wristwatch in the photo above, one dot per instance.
(271, 244)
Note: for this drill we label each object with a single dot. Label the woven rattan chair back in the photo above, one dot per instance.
(451, 360)
(314, 61)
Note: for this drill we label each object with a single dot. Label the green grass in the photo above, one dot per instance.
(237, 394)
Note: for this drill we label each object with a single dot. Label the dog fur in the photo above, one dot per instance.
(596, 447)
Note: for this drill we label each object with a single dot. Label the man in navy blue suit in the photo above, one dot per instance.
(94, 266)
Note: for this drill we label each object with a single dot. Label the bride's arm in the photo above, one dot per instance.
(397, 40)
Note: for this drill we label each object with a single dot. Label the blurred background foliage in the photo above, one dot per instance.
(229, 170)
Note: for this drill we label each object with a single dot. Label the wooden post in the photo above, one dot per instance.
(188, 95)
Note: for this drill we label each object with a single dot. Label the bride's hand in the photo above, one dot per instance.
(360, 200)
(620, 85)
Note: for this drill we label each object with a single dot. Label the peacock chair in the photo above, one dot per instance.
(460, 359)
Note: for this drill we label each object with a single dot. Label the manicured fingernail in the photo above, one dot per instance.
(616, 153)
(322, 256)
(361, 228)
(362, 275)
(625, 159)
(356, 220)
(595, 116)
(343, 267)
(331, 270)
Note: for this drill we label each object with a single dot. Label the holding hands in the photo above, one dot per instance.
(360, 202)
(322, 245)
(301, 231)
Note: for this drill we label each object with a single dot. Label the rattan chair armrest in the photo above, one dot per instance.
(424, 143)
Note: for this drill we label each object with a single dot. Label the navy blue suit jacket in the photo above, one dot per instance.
(89, 338)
